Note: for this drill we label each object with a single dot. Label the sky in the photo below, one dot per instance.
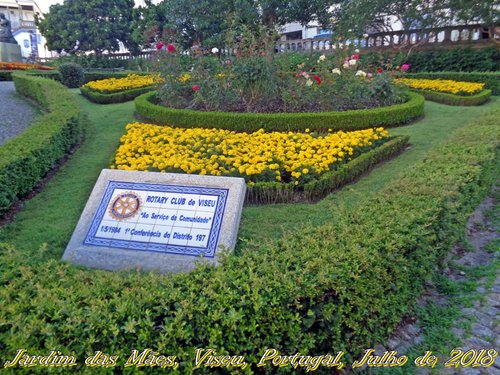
(45, 4)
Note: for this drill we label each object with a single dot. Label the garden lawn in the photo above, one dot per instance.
(51, 216)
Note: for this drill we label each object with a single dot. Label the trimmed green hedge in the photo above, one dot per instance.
(5, 75)
(344, 285)
(117, 97)
(348, 172)
(275, 192)
(348, 120)
(490, 79)
(451, 99)
(26, 159)
(56, 75)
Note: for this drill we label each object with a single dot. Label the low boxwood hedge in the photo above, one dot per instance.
(452, 99)
(56, 75)
(348, 120)
(117, 97)
(344, 285)
(5, 75)
(275, 192)
(26, 159)
(490, 79)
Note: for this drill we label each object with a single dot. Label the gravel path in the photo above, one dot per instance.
(16, 114)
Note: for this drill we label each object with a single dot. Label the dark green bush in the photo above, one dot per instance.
(88, 76)
(344, 285)
(26, 159)
(118, 97)
(348, 120)
(490, 79)
(485, 59)
(5, 75)
(72, 75)
(451, 99)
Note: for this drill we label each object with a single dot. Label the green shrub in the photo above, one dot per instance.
(26, 159)
(348, 120)
(5, 75)
(490, 79)
(344, 285)
(72, 75)
(485, 59)
(117, 97)
(52, 74)
(451, 99)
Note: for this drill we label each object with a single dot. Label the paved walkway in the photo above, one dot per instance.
(16, 114)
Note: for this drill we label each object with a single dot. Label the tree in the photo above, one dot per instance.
(360, 16)
(205, 22)
(91, 25)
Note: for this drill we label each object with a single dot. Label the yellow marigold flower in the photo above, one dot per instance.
(258, 156)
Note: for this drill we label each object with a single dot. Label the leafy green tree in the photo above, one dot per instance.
(91, 25)
(486, 12)
(360, 16)
(205, 22)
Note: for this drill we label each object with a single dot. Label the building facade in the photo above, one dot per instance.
(21, 14)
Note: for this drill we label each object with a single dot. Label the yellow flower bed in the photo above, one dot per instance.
(132, 81)
(260, 156)
(443, 85)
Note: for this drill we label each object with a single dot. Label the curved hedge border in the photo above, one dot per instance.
(451, 99)
(118, 97)
(348, 120)
(275, 192)
(344, 285)
(490, 79)
(26, 159)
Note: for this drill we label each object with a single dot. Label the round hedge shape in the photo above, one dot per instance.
(72, 75)
(349, 120)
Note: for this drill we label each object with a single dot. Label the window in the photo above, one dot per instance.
(26, 43)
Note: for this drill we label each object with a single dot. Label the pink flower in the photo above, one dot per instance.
(171, 48)
(196, 87)
(317, 79)
(369, 75)
(405, 67)
(159, 45)
(355, 57)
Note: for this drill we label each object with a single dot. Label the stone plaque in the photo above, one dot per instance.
(156, 221)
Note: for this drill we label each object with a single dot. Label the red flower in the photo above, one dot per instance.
(171, 48)
(196, 87)
(159, 45)
(380, 70)
(355, 57)
(317, 79)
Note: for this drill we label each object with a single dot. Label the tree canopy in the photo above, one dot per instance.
(91, 25)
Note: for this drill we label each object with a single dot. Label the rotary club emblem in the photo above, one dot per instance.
(125, 206)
